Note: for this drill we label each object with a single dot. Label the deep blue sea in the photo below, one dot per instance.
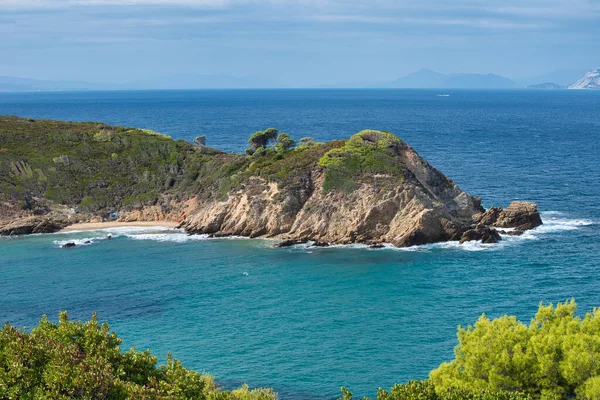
(307, 321)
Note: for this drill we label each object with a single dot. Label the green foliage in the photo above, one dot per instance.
(284, 142)
(95, 166)
(556, 357)
(84, 361)
(307, 142)
(261, 139)
(425, 390)
(367, 152)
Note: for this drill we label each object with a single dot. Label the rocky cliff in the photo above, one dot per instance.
(372, 188)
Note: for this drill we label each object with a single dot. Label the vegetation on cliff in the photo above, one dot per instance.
(96, 167)
(367, 152)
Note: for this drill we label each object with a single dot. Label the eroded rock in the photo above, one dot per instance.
(521, 215)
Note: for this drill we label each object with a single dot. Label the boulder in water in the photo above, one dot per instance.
(521, 215)
(291, 242)
(483, 233)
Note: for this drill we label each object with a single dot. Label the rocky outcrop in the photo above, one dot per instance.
(424, 206)
(521, 215)
(483, 233)
(29, 225)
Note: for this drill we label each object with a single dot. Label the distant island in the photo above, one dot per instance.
(546, 85)
(372, 189)
(591, 80)
(422, 79)
(428, 79)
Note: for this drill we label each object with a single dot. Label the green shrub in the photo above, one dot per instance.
(366, 153)
(425, 390)
(556, 356)
(262, 139)
(74, 360)
(284, 142)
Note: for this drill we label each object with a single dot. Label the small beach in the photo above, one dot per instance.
(92, 226)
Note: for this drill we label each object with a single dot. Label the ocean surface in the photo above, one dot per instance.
(307, 321)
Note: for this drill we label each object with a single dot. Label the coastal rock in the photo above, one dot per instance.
(483, 233)
(521, 215)
(291, 242)
(29, 225)
(489, 217)
(416, 207)
(68, 245)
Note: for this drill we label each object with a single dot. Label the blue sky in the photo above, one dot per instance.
(294, 42)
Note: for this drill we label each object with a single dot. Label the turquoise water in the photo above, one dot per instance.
(307, 321)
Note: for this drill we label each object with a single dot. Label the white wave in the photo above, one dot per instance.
(166, 237)
(79, 242)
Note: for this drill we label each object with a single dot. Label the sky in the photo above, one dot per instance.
(294, 42)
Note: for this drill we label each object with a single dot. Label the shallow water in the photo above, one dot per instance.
(308, 320)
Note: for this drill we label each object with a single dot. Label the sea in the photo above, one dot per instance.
(303, 320)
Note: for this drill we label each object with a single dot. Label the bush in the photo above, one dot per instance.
(262, 139)
(425, 390)
(556, 357)
(284, 142)
(84, 361)
(366, 153)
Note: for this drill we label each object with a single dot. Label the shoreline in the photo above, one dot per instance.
(92, 226)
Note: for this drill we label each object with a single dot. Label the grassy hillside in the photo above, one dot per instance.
(96, 167)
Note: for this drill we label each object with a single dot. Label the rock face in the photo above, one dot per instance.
(591, 80)
(423, 207)
(521, 215)
(29, 225)
(483, 233)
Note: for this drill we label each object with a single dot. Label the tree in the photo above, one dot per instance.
(556, 357)
(262, 139)
(307, 142)
(74, 360)
(200, 141)
(284, 142)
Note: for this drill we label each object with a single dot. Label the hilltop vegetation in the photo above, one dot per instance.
(555, 357)
(96, 167)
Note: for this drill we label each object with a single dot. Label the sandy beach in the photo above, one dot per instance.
(90, 226)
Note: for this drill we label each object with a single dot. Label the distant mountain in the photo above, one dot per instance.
(428, 79)
(590, 80)
(562, 77)
(199, 81)
(14, 84)
(185, 81)
(546, 85)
